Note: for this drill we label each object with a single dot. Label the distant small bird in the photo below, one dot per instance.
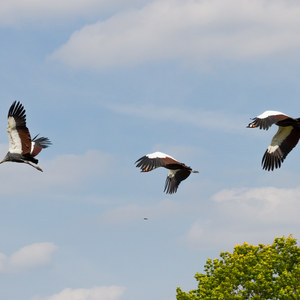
(22, 148)
(178, 171)
(284, 140)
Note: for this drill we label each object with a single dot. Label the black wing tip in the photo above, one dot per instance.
(17, 110)
(252, 124)
(170, 186)
(170, 191)
(140, 159)
(260, 123)
(140, 162)
(270, 162)
(146, 164)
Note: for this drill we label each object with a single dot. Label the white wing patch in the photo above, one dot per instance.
(32, 147)
(272, 149)
(269, 113)
(279, 137)
(15, 144)
(172, 173)
(159, 155)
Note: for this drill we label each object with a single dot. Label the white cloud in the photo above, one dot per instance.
(71, 168)
(64, 171)
(204, 235)
(95, 293)
(16, 12)
(31, 256)
(216, 120)
(266, 204)
(250, 215)
(191, 30)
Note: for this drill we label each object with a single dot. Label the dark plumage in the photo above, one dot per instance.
(22, 148)
(178, 171)
(284, 140)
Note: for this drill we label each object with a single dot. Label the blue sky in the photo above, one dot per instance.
(110, 81)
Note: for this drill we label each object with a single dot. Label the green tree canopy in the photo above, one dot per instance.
(251, 272)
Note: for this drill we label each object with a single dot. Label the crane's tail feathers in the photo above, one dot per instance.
(29, 157)
(42, 142)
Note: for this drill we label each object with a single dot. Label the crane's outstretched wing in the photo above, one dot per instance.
(174, 178)
(270, 117)
(155, 160)
(18, 133)
(282, 143)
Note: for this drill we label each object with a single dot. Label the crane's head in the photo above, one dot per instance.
(11, 157)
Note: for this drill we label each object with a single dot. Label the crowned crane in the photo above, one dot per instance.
(178, 171)
(284, 140)
(22, 148)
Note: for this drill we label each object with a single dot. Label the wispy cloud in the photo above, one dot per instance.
(266, 204)
(247, 214)
(64, 171)
(216, 120)
(190, 31)
(31, 256)
(95, 293)
(17, 12)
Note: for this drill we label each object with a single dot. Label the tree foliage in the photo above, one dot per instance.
(251, 272)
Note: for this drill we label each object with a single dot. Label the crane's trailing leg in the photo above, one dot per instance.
(27, 162)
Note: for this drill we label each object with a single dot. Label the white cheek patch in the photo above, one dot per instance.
(272, 149)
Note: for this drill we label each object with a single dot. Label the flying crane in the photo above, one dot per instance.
(178, 171)
(284, 140)
(22, 148)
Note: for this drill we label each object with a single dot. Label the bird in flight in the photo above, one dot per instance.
(178, 171)
(22, 148)
(284, 140)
